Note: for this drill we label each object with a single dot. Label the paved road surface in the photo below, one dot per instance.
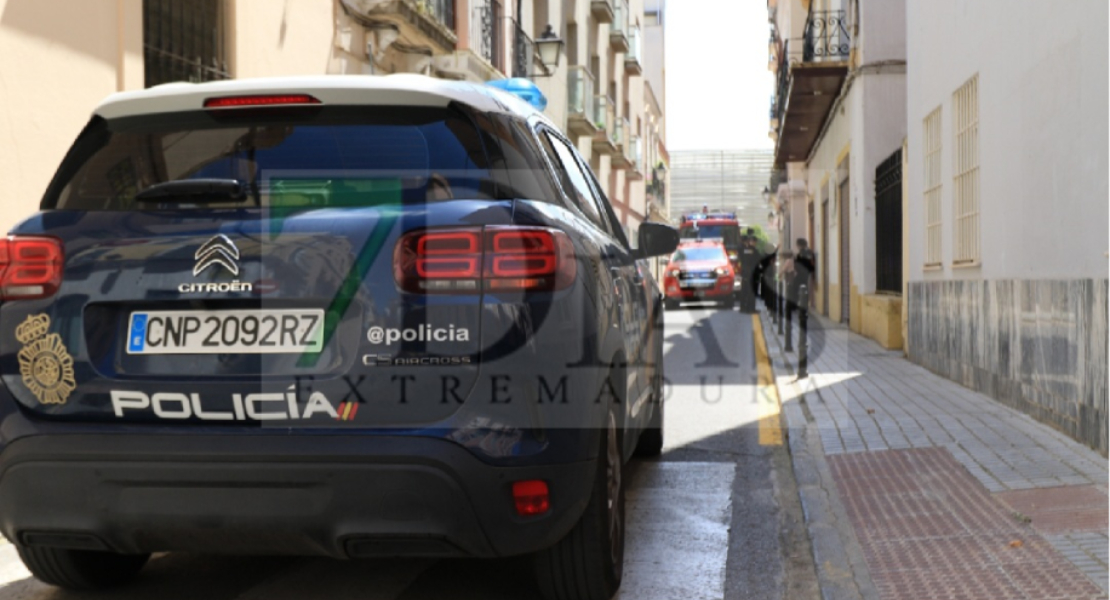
(716, 516)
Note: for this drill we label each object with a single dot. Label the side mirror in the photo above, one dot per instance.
(656, 239)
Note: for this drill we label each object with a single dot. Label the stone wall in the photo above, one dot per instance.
(1039, 346)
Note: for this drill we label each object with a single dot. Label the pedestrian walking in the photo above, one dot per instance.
(803, 278)
(766, 277)
(749, 260)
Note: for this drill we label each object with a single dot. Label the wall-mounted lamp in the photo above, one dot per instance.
(549, 46)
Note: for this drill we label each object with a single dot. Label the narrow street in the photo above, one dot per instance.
(717, 516)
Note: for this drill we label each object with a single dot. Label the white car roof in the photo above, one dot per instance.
(396, 90)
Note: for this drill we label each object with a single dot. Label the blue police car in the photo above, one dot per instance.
(352, 317)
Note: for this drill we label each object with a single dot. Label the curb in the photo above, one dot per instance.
(841, 569)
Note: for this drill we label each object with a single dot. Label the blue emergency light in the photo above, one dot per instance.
(523, 89)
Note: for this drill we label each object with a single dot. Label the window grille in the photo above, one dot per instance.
(965, 180)
(931, 154)
(183, 40)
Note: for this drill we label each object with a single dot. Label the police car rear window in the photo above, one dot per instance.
(320, 157)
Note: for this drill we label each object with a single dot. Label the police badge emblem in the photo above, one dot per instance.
(44, 363)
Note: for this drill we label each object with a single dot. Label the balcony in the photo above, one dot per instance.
(618, 29)
(602, 10)
(580, 101)
(809, 81)
(622, 156)
(636, 170)
(486, 33)
(604, 141)
(428, 23)
(524, 52)
(632, 64)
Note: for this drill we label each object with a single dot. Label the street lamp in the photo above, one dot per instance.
(550, 46)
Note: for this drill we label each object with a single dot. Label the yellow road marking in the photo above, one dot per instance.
(767, 393)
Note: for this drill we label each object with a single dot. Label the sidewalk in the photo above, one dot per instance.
(915, 487)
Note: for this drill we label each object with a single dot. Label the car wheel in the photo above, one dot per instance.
(81, 569)
(587, 564)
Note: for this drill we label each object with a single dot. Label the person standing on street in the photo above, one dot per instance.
(766, 276)
(804, 266)
(749, 260)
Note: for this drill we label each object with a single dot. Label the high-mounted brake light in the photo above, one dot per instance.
(30, 267)
(260, 100)
(497, 259)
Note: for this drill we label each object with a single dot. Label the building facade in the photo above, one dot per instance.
(838, 121)
(597, 90)
(730, 181)
(1006, 238)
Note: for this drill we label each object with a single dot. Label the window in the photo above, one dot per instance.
(965, 179)
(183, 40)
(931, 153)
(575, 183)
(329, 157)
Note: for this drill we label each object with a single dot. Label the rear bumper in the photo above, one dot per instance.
(338, 496)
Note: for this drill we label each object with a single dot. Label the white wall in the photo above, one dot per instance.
(1042, 132)
(53, 73)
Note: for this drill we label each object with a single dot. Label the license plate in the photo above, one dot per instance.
(226, 331)
(697, 284)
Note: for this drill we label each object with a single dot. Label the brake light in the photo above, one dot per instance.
(260, 100)
(531, 497)
(497, 259)
(30, 267)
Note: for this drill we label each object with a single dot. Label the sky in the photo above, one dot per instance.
(718, 85)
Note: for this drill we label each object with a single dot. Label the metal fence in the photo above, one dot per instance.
(524, 51)
(486, 22)
(826, 36)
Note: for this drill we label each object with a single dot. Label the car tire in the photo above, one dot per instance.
(81, 569)
(587, 564)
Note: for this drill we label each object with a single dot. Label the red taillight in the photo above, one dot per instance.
(30, 267)
(259, 100)
(531, 497)
(498, 259)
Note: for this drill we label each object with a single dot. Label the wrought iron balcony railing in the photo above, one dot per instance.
(440, 10)
(826, 36)
(524, 51)
(825, 39)
(485, 32)
(782, 85)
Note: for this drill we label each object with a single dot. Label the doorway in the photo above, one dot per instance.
(824, 257)
(844, 200)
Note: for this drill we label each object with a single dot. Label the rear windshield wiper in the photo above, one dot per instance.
(194, 190)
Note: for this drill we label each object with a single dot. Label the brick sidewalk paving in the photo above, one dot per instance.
(861, 398)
